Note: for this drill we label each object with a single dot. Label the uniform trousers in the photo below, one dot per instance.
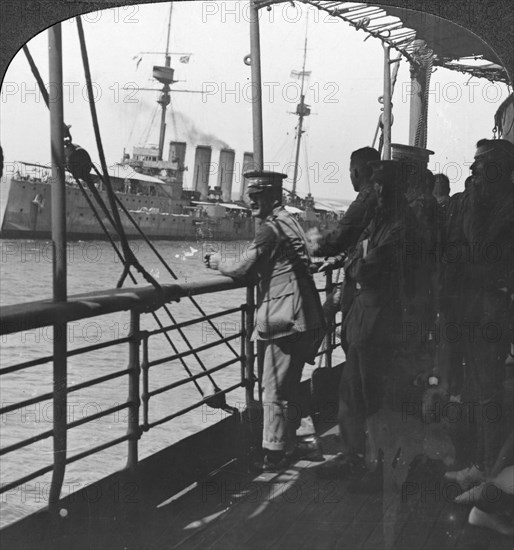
(487, 339)
(283, 363)
(361, 393)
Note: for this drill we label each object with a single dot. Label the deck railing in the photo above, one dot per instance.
(137, 301)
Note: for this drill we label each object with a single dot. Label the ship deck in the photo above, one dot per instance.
(233, 509)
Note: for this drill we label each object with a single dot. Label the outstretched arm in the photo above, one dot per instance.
(250, 259)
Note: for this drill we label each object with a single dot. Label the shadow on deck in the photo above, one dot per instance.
(232, 509)
(297, 510)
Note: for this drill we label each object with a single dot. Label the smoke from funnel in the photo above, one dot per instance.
(194, 134)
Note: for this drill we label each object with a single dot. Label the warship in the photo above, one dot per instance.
(151, 188)
(199, 493)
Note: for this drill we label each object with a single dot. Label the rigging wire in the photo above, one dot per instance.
(305, 152)
(173, 120)
(42, 88)
(131, 259)
(133, 279)
(135, 119)
(116, 226)
(114, 199)
(283, 145)
(147, 130)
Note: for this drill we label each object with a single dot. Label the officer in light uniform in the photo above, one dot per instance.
(289, 318)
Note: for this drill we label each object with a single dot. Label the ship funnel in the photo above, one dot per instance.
(178, 155)
(226, 173)
(248, 165)
(202, 170)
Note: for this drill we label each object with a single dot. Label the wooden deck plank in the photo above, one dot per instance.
(363, 523)
(474, 538)
(235, 510)
(311, 535)
(385, 531)
(327, 516)
(426, 503)
(449, 524)
(268, 512)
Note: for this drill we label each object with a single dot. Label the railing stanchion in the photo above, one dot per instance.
(331, 328)
(133, 431)
(145, 396)
(249, 347)
(242, 352)
(59, 267)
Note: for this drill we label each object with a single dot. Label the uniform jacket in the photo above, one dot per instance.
(375, 315)
(354, 221)
(488, 226)
(277, 259)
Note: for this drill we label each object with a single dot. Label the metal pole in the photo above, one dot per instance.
(419, 74)
(255, 56)
(249, 347)
(145, 366)
(164, 100)
(330, 335)
(58, 202)
(387, 104)
(133, 411)
(298, 138)
(302, 107)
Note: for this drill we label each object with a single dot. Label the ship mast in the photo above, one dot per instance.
(165, 99)
(302, 110)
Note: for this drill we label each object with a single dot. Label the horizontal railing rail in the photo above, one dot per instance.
(44, 313)
(21, 317)
(138, 301)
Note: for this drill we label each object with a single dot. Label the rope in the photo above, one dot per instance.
(42, 89)
(146, 132)
(157, 320)
(426, 64)
(394, 76)
(127, 261)
(170, 271)
(127, 251)
(305, 149)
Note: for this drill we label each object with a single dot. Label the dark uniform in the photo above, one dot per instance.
(453, 267)
(421, 304)
(340, 242)
(373, 322)
(289, 317)
(488, 227)
(354, 221)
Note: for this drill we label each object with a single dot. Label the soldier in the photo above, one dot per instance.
(422, 304)
(340, 242)
(373, 323)
(488, 287)
(442, 190)
(289, 318)
(359, 214)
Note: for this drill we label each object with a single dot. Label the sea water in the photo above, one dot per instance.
(26, 276)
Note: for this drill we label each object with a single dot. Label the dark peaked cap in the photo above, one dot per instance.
(500, 147)
(386, 170)
(261, 180)
(409, 153)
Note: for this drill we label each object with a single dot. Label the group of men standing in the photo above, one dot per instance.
(409, 277)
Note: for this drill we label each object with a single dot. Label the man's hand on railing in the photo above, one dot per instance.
(313, 236)
(332, 263)
(212, 260)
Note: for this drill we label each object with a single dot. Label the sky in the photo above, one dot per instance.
(343, 91)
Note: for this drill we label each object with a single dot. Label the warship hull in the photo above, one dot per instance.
(28, 216)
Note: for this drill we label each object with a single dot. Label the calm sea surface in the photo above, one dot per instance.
(26, 275)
